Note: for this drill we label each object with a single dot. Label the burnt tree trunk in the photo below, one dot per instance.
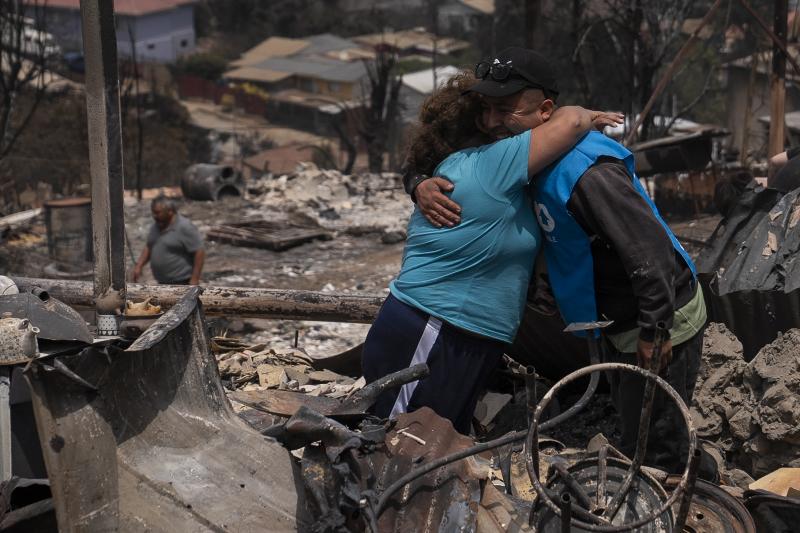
(380, 117)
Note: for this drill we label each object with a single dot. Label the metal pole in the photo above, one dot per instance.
(5, 423)
(105, 153)
(565, 504)
(777, 99)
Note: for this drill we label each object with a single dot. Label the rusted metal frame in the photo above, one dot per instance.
(105, 153)
(670, 72)
(484, 446)
(532, 454)
(644, 425)
(686, 497)
(236, 301)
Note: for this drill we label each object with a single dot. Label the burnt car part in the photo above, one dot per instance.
(713, 510)
(601, 512)
(105, 415)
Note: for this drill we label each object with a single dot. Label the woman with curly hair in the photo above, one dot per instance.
(459, 297)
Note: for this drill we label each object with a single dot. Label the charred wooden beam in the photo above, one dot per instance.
(105, 153)
(244, 302)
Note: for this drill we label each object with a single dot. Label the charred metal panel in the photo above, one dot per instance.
(674, 154)
(446, 499)
(56, 320)
(750, 269)
(156, 447)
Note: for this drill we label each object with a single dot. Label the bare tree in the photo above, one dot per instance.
(25, 47)
(382, 113)
(615, 51)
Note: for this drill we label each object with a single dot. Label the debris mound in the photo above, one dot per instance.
(750, 410)
(356, 204)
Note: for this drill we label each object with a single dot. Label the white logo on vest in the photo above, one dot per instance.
(543, 217)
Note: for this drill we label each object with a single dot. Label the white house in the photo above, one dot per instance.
(161, 30)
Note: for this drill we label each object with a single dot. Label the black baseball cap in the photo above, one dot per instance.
(514, 69)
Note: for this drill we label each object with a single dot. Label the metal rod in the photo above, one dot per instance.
(5, 423)
(688, 493)
(530, 391)
(670, 71)
(105, 153)
(565, 504)
(644, 425)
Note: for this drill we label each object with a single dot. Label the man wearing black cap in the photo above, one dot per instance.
(609, 254)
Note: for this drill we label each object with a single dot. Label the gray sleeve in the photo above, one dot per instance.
(152, 236)
(191, 238)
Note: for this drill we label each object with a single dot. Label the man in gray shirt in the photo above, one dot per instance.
(174, 247)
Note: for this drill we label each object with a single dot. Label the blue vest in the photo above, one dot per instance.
(566, 246)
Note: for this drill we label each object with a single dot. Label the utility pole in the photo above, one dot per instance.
(105, 156)
(777, 101)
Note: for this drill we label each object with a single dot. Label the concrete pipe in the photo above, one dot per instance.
(209, 182)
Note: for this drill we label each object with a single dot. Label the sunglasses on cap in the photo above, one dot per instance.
(500, 72)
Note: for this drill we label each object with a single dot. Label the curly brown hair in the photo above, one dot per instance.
(448, 122)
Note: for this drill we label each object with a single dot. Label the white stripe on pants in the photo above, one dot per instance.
(423, 350)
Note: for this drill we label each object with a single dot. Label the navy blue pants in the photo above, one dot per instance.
(459, 363)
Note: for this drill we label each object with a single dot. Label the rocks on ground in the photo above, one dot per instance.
(751, 411)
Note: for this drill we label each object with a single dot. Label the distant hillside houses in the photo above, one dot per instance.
(310, 80)
(160, 30)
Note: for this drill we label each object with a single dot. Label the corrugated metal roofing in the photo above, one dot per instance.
(316, 67)
(484, 6)
(412, 40)
(256, 74)
(272, 47)
(127, 7)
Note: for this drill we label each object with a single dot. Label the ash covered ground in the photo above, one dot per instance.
(746, 412)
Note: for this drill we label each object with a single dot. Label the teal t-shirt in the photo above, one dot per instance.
(475, 275)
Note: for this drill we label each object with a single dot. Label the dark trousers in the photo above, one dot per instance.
(459, 363)
(667, 444)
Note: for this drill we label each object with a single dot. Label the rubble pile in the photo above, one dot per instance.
(750, 410)
(356, 204)
(261, 368)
